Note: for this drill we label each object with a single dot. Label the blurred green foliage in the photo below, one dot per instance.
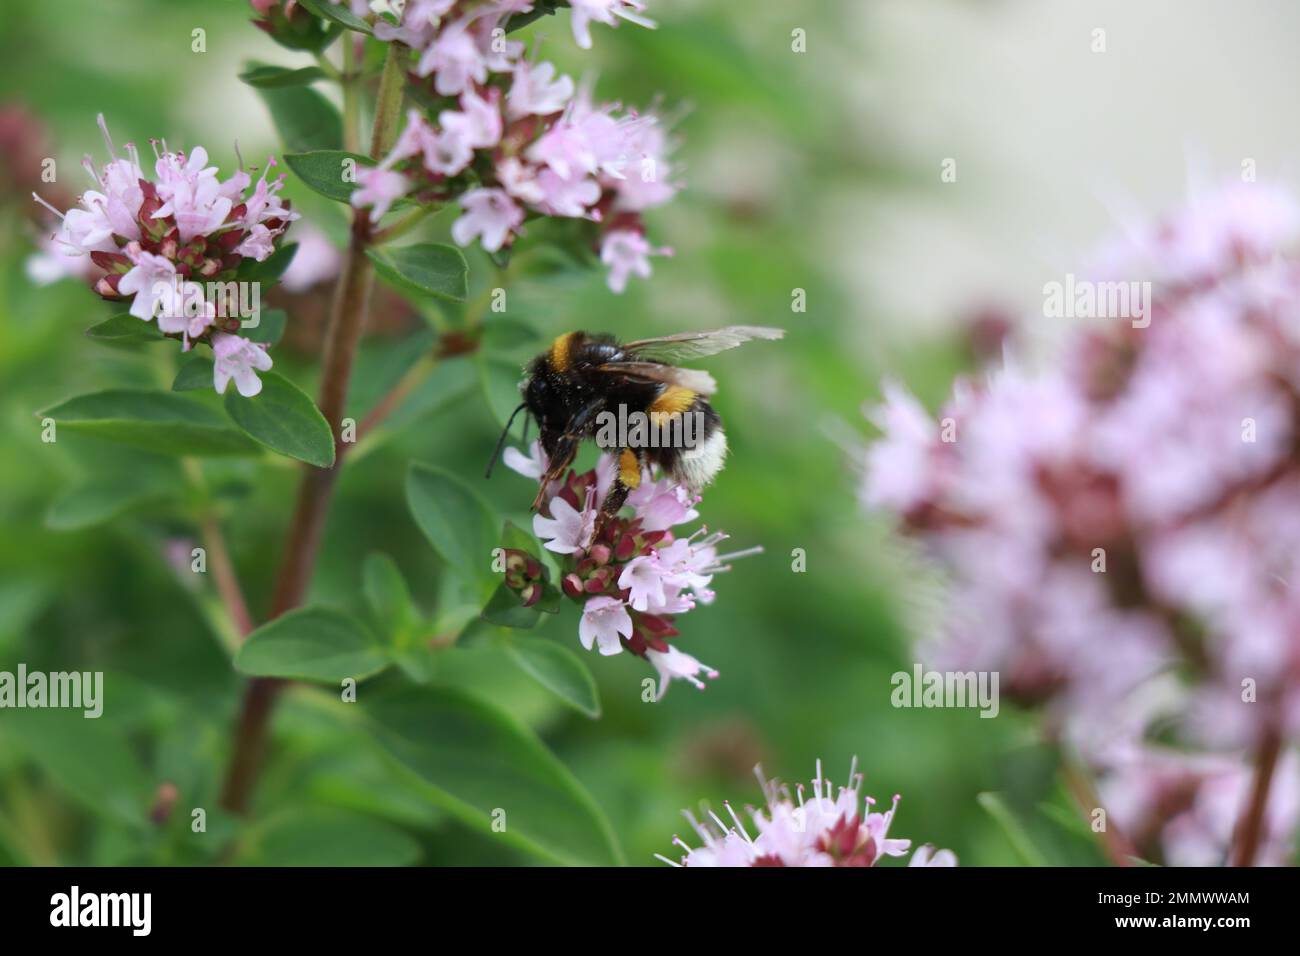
(805, 658)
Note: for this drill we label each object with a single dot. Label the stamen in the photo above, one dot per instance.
(108, 140)
(47, 205)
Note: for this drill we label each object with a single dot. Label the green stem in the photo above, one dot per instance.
(388, 104)
(351, 102)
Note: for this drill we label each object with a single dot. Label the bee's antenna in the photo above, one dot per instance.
(502, 440)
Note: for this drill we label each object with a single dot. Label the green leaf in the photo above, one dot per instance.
(457, 521)
(1015, 832)
(557, 669)
(104, 498)
(285, 420)
(389, 600)
(90, 760)
(267, 76)
(152, 420)
(269, 269)
(478, 760)
(325, 836)
(304, 118)
(195, 373)
(426, 268)
(505, 610)
(330, 172)
(338, 14)
(270, 327)
(510, 337)
(499, 380)
(125, 327)
(314, 643)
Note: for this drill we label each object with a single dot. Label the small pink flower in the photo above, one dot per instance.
(569, 531)
(662, 504)
(644, 579)
(151, 279)
(258, 244)
(603, 11)
(604, 620)
(237, 358)
(490, 214)
(673, 664)
(317, 259)
(188, 313)
(191, 192)
(532, 465)
(928, 856)
(520, 181)
(899, 467)
(820, 829)
(379, 188)
(571, 198)
(478, 124)
(627, 253)
(447, 152)
(535, 90)
(265, 203)
(454, 59)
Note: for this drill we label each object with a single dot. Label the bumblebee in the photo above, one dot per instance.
(573, 388)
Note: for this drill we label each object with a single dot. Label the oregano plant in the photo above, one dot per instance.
(443, 111)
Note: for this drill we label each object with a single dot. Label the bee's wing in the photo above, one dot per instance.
(692, 378)
(692, 345)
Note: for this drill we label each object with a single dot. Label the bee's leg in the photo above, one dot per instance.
(565, 447)
(626, 479)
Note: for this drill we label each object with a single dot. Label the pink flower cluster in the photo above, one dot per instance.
(524, 139)
(631, 575)
(159, 240)
(1122, 529)
(456, 38)
(824, 829)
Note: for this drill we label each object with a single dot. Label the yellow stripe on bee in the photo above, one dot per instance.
(560, 351)
(672, 400)
(629, 469)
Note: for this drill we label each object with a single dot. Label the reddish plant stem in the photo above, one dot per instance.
(347, 319)
(1253, 822)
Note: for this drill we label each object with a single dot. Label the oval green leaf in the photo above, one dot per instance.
(457, 521)
(389, 600)
(303, 117)
(476, 758)
(314, 643)
(284, 419)
(338, 14)
(264, 75)
(152, 420)
(426, 268)
(325, 836)
(330, 172)
(195, 373)
(557, 669)
(125, 327)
